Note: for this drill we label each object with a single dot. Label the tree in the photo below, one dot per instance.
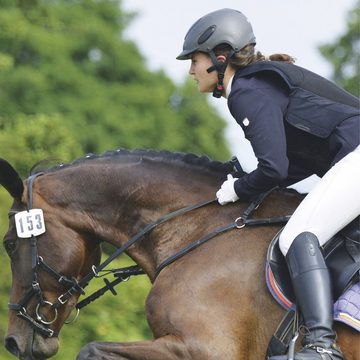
(344, 54)
(69, 58)
(37, 137)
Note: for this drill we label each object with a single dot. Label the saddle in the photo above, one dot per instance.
(342, 256)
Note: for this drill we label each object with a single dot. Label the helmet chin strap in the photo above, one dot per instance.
(220, 64)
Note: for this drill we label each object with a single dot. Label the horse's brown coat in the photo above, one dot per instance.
(210, 304)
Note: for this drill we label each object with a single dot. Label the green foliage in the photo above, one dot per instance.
(69, 58)
(344, 54)
(200, 125)
(32, 138)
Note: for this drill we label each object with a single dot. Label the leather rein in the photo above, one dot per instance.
(41, 324)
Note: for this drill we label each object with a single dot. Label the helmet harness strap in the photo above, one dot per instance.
(220, 67)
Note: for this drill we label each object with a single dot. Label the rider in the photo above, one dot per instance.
(298, 124)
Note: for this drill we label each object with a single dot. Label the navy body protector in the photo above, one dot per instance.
(316, 105)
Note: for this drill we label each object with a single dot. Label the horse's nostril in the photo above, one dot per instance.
(12, 346)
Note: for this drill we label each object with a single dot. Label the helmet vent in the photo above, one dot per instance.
(206, 34)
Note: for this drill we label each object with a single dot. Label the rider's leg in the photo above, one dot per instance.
(330, 206)
(312, 287)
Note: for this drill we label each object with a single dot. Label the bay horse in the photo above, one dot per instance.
(210, 304)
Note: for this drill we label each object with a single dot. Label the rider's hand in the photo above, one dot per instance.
(227, 192)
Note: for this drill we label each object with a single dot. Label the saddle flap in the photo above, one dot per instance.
(277, 275)
(343, 267)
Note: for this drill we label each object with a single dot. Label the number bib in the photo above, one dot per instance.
(30, 223)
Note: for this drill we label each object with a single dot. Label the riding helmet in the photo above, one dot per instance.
(225, 26)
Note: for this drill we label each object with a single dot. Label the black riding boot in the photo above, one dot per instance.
(312, 287)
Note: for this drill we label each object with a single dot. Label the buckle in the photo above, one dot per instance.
(321, 350)
(93, 268)
(60, 299)
(36, 286)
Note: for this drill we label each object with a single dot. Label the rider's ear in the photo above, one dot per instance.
(221, 58)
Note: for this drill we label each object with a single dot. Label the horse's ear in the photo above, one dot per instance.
(10, 179)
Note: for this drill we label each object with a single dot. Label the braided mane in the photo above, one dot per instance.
(137, 154)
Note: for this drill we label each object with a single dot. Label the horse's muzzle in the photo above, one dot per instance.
(39, 348)
(11, 346)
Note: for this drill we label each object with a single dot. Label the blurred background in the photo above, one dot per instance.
(86, 76)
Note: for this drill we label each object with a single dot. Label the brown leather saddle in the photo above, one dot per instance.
(342, 255)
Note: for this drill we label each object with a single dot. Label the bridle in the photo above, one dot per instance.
(41, 324)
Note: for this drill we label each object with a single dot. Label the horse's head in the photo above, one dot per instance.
(47, 259)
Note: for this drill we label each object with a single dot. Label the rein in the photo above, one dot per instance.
(122, 274)
(239, 223)
(97, 269)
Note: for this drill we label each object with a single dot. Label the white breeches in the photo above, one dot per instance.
(330, 205)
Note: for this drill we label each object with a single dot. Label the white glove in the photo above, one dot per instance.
(227, 192)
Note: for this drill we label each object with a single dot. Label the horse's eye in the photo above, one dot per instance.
(10, 246)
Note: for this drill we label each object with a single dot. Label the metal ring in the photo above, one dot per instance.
(74, 318)
(39, 316)
(93, 268)
(240, 222)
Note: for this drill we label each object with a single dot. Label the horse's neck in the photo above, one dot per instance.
(157, 200)
(140, 196)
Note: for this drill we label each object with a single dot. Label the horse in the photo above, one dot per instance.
(212, 303)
